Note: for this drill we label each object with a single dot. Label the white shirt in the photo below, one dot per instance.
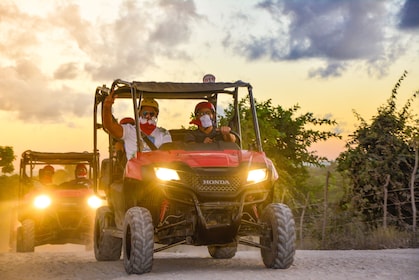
(158, 137)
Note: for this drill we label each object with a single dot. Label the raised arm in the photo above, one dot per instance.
(114, 128)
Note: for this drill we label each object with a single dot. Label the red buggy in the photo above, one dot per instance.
(50, 212)
(216, 195)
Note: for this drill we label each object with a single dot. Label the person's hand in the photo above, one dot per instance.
(208, 140)
(109, 100)
(226, 134)
(225, 130)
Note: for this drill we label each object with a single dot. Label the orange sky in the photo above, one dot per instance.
(330, 58)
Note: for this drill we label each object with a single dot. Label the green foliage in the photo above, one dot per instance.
(317, 182)
(381, 156)
(9, 187)
(357, 236)
(6, 159)
(287, 138)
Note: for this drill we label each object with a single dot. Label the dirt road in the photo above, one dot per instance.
(186, 262)
(72, 262)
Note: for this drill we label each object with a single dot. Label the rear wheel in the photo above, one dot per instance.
(279, 237)
(138, 241)
(222, 252)
(106, 246)
(26, 236)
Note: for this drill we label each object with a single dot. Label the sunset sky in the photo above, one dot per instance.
(330, 57)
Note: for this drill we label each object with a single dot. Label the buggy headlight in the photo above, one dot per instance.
(256, 175)
(166, 174)
(42, 201)
(94, 202)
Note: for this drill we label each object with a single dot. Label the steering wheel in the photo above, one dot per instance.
(238, 139)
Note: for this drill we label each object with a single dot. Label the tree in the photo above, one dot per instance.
(379, 160)
(6, 159)
(287, 139)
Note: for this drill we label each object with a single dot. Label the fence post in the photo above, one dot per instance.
(412, 187)
(325, 203)
(385, 201)
(302, 220)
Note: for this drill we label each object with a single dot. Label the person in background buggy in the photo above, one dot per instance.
(46, 174)
(81, 180)
(45, 177)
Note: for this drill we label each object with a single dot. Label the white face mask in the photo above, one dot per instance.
(152, 121)
(205, 121)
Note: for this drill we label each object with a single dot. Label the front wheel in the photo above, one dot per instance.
(106, 246)
(279, 238)
(138, 241)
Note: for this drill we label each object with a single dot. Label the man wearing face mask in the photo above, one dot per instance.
(207, 131)
(148, 125)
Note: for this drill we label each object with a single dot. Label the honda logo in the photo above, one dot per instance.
(215, 182)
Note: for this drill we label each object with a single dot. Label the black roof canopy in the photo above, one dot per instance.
(170, 90)
(56, 158)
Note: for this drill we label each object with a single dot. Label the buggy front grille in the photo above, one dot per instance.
(213, 184)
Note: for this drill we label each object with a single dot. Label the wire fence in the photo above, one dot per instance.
(330, 227)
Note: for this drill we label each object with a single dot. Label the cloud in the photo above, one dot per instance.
(45, 58)
(66, 71)
(175, 26)
(32, 49)
(409, 15)
(25, 95)
(331, 70)
(129, 45)
(333, 31)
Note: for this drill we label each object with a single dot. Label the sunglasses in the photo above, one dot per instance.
(145, 113)
(200, 114)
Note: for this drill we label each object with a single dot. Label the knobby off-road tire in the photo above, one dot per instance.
(222, 252)
(26, 236)
(280, 237)
(106, 247)
(138, 241)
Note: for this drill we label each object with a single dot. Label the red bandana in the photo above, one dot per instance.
(147, 128)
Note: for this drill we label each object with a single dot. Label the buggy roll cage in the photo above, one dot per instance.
(33, 158)
(172, 90)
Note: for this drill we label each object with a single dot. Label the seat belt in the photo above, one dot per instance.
(148, 141)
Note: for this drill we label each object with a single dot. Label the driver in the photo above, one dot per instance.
(207, 131)
(45, 176)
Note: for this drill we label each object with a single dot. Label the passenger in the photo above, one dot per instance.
(81, 180)
(208, 78)
(207, 131)
(148, 125)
